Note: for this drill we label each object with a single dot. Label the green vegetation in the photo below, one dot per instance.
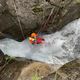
(35, 77)
(37, 9)
(8, 58)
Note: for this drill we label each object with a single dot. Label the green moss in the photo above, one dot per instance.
(8, 58)
(35, 77)
(37, 10)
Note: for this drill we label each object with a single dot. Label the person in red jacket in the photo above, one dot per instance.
(35, 39)
(39, 40)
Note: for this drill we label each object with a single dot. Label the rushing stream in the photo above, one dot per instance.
(59, 48)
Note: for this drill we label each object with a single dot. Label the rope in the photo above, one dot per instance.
(19, 21)
(40, 28)
(44, 25)
(52, 12)
(46, 20)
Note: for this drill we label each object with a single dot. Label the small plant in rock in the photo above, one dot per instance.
(35, 77)
(8, 58)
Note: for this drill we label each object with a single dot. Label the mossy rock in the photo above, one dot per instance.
(37, 9)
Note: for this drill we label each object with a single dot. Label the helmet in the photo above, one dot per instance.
(31, 39)
(33, 35)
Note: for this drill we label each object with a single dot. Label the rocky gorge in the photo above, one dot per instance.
(32, 15)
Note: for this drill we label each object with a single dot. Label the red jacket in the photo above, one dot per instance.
(39, 40)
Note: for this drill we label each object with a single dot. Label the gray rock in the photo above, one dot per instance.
(33, 14)
(69, 71)
(30, 12)
(3, 5)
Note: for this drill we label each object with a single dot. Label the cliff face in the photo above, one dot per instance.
(33, 13)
